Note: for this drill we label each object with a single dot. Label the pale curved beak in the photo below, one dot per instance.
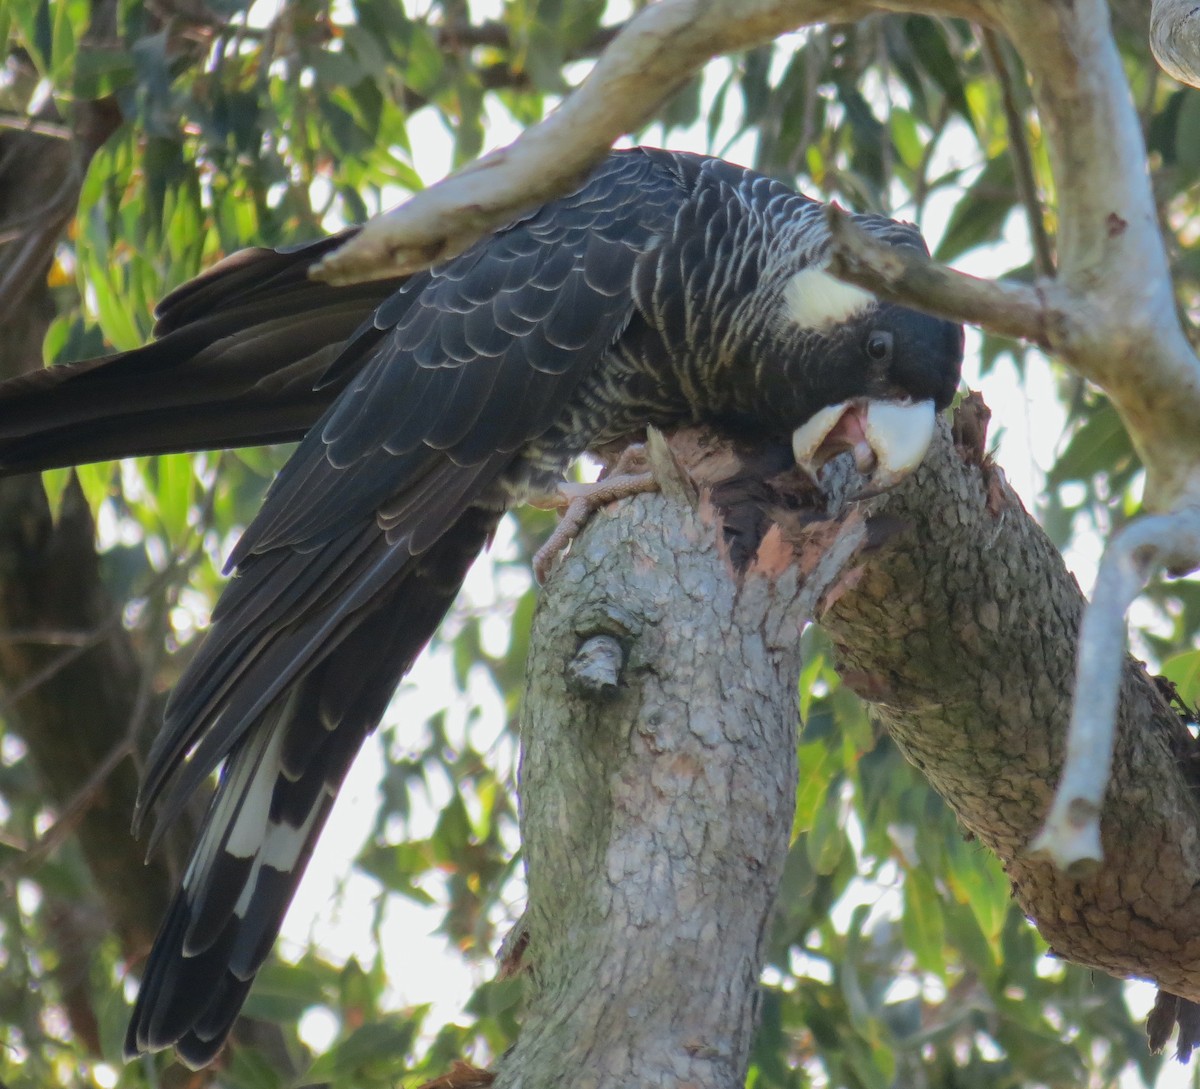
(889, 439)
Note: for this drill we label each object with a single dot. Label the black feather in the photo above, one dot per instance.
(656, 293)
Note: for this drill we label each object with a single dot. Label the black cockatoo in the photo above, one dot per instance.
(668, 289)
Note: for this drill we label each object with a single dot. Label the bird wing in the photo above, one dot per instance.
(482, 361)
(360, 548)
(465, 366)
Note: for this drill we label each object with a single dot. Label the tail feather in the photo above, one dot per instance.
(289, 609)
(240, 352)
(274, 796)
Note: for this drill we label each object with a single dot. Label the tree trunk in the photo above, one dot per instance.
(658, 765)
(658, 783)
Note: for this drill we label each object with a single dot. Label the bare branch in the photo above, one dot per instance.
(23, 123)
(1071, 836)
(1110, 251)
(54, 667)
(1018, 139)
(81, 801)
(651, 58)
(48, 637)
(1035, 313)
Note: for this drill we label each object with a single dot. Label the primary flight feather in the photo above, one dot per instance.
(669, 289)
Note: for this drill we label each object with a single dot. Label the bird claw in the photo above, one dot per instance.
(581, 501)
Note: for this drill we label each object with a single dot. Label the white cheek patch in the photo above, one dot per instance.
(814, 299)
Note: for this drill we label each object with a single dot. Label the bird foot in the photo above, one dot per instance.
(641, 467)
(579, 502)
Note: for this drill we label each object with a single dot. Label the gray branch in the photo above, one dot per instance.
(1175, 39)
(1071, 836)
(1037, 313)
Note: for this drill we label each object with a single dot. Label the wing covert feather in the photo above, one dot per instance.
(543, 299)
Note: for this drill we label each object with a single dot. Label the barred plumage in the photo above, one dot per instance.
(669, 289)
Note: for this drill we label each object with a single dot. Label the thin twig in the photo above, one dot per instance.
(37, 246)
(1018, 139)
(920, 188)
(47, 637)
(21, 123)
(7, 839)
(816, 50)
(80, 642)
(50, 669)
(71, 813)
(82, 800)
(126, 746)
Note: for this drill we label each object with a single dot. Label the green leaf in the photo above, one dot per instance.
(980, 213)
(1183, 670)
(398, 866)
(922, 923)
(249, 1068)
(928, 42)
(97, 483)
(1100, 444)
(816, 766)
(826, 842)
(374, 1054)
(101, 70)
(906, 138)
(977, 880)
(54, 484)
(813, 671)
(174, 494)
(282, 992)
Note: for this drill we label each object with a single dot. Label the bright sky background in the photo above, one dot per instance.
(421, 968)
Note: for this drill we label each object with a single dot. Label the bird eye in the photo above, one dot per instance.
(879, 346)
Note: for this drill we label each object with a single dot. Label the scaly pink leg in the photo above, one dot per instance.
(579, 502)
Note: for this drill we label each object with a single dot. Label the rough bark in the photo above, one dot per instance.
(656, 805)
(962, 637)
(658, 784)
